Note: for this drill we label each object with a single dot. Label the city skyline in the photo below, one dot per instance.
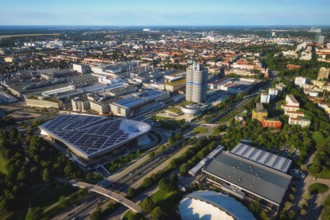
(149, 13)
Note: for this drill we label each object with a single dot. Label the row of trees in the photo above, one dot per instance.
(198, 156)
(175, 163)
(6, 120)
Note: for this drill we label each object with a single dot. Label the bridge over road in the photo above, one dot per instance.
(112, 195)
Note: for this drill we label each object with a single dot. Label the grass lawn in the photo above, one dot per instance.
(317, 188)
(51, 195)
(324, 175)
(174, 110)
(3, 163)
(130, 215)
(160, 118)
(200, 130)
(165, 200)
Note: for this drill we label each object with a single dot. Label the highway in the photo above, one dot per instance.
(105, 192)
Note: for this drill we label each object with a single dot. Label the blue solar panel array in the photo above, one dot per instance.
(87, 133)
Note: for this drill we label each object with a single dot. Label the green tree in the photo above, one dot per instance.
(303, 212)
(63, 202)
(174, 180)
(183, 168)
(45, 175)
(89, 176)
(130, 192)
(33, 214)
(96, 214)
(157, 213)
(264, 215)
(164, 185)
(147, 205)
(254, 206)
(68, 171)
(292, 214)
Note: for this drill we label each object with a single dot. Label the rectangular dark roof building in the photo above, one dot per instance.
(247, 179)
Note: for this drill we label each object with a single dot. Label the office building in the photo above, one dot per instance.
(139, 103)
(320, 39)
(300, 81)
(174, 82)
(259, 112)
(196, 83)
(264, 98)
(323, 73)
(271, 123)
(292, 109)
(80, 104)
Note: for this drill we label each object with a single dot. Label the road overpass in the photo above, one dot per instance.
(112, 195)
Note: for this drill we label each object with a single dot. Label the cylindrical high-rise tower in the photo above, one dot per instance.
(196, 83)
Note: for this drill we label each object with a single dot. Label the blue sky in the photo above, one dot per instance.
(164, 12)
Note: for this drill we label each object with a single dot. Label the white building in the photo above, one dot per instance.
(300, 81)
(79, 105)
(292, 105)
(81, 68)
(292, 101)
(272, 93)
(264, 98)
(301, 46)
(303, 122)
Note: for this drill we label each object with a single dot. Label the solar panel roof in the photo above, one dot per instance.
(260, 156)
(90, 136)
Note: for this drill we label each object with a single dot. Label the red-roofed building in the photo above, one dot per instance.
(292, 66)
(271, 123)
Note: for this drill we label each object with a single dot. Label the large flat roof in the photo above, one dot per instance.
(250, 176)
(138, 99)
(263, 157)
(90, 136)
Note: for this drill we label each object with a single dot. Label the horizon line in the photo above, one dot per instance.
(164, 25)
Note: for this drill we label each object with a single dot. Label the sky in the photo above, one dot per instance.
(164, 12)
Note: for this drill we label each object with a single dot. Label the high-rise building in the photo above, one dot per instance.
(196, 83)
(320, 39)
